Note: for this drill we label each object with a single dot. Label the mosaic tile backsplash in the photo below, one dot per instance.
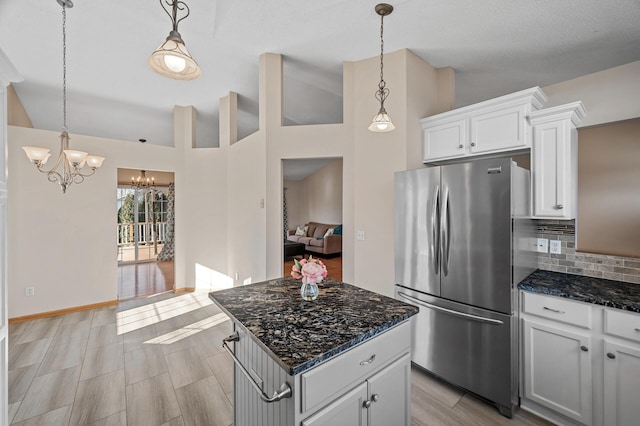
(617, 268)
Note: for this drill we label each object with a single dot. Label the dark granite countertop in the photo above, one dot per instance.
(299, 334)
(615, 294)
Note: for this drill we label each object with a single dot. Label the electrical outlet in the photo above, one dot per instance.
(543, 245)
(29, 291)
(360, 235)
(555, 247)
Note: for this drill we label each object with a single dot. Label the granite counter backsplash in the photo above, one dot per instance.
(615, 294)
(299, 334)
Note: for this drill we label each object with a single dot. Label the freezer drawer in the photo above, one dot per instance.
(469, 347)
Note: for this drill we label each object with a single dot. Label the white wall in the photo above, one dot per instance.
(297, 211)
(609, 95)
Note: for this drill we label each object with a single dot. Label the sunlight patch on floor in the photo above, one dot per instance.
(189, 330)
(143, 316)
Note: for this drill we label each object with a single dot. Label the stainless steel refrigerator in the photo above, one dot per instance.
(462, 243)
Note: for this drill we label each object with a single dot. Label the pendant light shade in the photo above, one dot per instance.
(172, 59)
(381, 121)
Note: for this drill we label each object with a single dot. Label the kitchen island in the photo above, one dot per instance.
(343, 359)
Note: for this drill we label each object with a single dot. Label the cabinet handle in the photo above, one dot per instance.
(367, 403)
(473, 144)
(560, 207)
(553, 310)
(584, 348)
(460, 146)
(369, 361)
(610, 355)
(375, 397)
(637, 329)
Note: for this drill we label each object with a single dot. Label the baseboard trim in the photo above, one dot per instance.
(63, 311)
(184, 290)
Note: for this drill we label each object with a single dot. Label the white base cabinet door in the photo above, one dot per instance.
(557, 370)
(389, 394)
(348, 410)
(621, 384)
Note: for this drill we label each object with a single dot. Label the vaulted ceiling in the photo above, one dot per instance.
(495, 46)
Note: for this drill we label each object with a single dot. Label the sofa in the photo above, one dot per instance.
(315, 239)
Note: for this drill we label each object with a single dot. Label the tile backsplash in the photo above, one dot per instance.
(590, 264)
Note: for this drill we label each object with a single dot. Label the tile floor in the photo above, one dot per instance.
(158, 361)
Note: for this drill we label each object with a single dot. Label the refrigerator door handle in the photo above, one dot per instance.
(444, 233)
(450, 311)
(435, 242)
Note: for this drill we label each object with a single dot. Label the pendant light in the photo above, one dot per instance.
(172, 59)
(382, 122)
(72, 161)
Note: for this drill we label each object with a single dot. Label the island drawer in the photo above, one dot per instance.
(557, 309)
(622, 324)
(333, 378)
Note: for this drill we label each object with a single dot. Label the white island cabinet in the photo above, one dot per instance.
(341, 360)
(580, 361)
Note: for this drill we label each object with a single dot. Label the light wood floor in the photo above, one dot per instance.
(159, 361)
(144, 279)
(333, 264)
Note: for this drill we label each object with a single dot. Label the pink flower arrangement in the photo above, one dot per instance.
(311, 269)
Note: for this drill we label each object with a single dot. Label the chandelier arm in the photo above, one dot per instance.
(91, 172)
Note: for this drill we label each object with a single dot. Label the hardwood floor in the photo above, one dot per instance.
(159, 361)
(144, 279)
(333, 264)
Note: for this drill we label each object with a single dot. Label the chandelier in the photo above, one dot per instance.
(382, 122)
(172, 59)
(73, 162)
(142, 182)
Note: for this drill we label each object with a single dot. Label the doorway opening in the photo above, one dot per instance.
(312, 208)
(145, 237)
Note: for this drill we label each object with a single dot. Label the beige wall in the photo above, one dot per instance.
(317, 198)
(16, 114)
(609, 95)
(65, 245)
(609, 189)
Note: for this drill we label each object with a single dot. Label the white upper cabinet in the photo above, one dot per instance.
(554, 161)
(496, 125)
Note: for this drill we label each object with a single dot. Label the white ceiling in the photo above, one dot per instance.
(496, 47)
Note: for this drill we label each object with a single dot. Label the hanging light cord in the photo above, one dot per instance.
(382, 92)
(64, 67)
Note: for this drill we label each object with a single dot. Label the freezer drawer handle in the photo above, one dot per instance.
(450, 311)
(557, 311)
(283, 392)
(369, 361)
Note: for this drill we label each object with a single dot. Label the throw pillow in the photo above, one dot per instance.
(337, 230)
(301, 231)
(329, 232)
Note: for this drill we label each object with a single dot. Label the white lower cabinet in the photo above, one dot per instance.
(580, 362)
(381, 400)
(348, 410)
(558, 369)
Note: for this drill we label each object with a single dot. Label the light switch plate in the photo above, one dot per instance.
(543, 245)
(360, 235)
(555, 247)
